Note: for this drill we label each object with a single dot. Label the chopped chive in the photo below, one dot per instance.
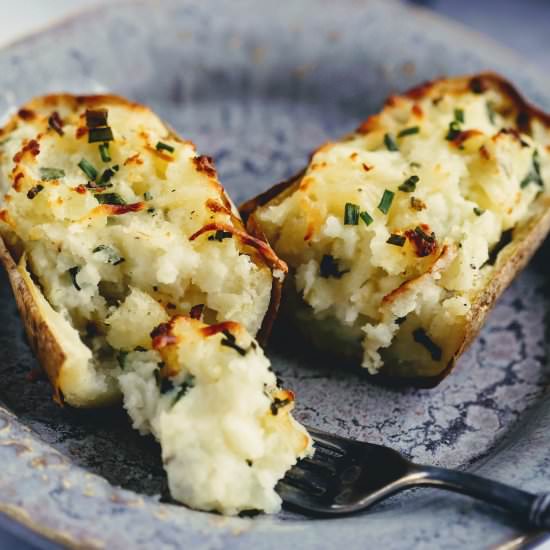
(421, 337)
(47, 174)
(105, 177)
(454, 131)
(220, 235)
(491, 114)
(184, 388)
(389, 142)
(110, 198)
(534, 175)
(231, 342)
(104, 152)
(397, 240)
(459, 115)
(96, 117)
(100, 134)
(147, 196)
(385, 201)
(351, 214)
(366, 217)
(329, 268)
(164, 147)
(111, 255)
(73, 272)
(164, 384)
(415, 165)
(34, 191)
(121, 358)
(409, 131)
(478, 211)
(151, 211)
(88, 168)
(409, 185)
(116, 167)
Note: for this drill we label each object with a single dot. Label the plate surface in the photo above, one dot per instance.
(258, 86)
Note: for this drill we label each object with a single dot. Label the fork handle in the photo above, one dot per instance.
(533, 509)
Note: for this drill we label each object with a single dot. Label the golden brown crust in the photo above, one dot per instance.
(510, 261)
(41, 338)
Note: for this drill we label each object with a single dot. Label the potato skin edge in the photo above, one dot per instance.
(43, 342)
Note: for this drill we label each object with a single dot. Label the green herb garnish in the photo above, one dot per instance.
(459, 115)
(329, 268)
(366, 217)
(184, 388)
(34, 191)
(73, 272)
(421, 337)
(104, 152)
(415, 165)
(110, 198)
(111, 255)
(389, 142)
(397, 240)
(88, 168)
(47, 174)
(454, 131)
(491, 114)
(121, 358)
(100, 134)
(220, 235)
(106, 177)
(409, 185)
(164, 384)
(409, 131)
(478, 211)
(231, 342)
(385, 201)
(164, 147)
(147, 196)
(96, 117)
(534, 175)
(351, 214)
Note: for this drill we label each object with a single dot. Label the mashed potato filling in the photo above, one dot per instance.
(391, 232)
(208, 395)
(122, 225)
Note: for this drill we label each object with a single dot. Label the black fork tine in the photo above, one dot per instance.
(324, 465)
(330, 441)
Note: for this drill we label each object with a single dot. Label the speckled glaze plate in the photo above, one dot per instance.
(258, 86)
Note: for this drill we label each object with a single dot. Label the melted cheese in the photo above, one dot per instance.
(117, 255)
(455, 165)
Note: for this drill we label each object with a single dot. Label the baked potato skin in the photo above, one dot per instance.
(526, 238)
(43, 342)
(40, 323)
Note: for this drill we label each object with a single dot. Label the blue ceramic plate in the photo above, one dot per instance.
(258, 86)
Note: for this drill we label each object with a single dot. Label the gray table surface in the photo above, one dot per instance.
(522, 25)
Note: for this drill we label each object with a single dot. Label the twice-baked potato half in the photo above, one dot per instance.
(207, 393)
(401, 236)
(112, 225)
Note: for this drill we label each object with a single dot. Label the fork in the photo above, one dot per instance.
(345, 476)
